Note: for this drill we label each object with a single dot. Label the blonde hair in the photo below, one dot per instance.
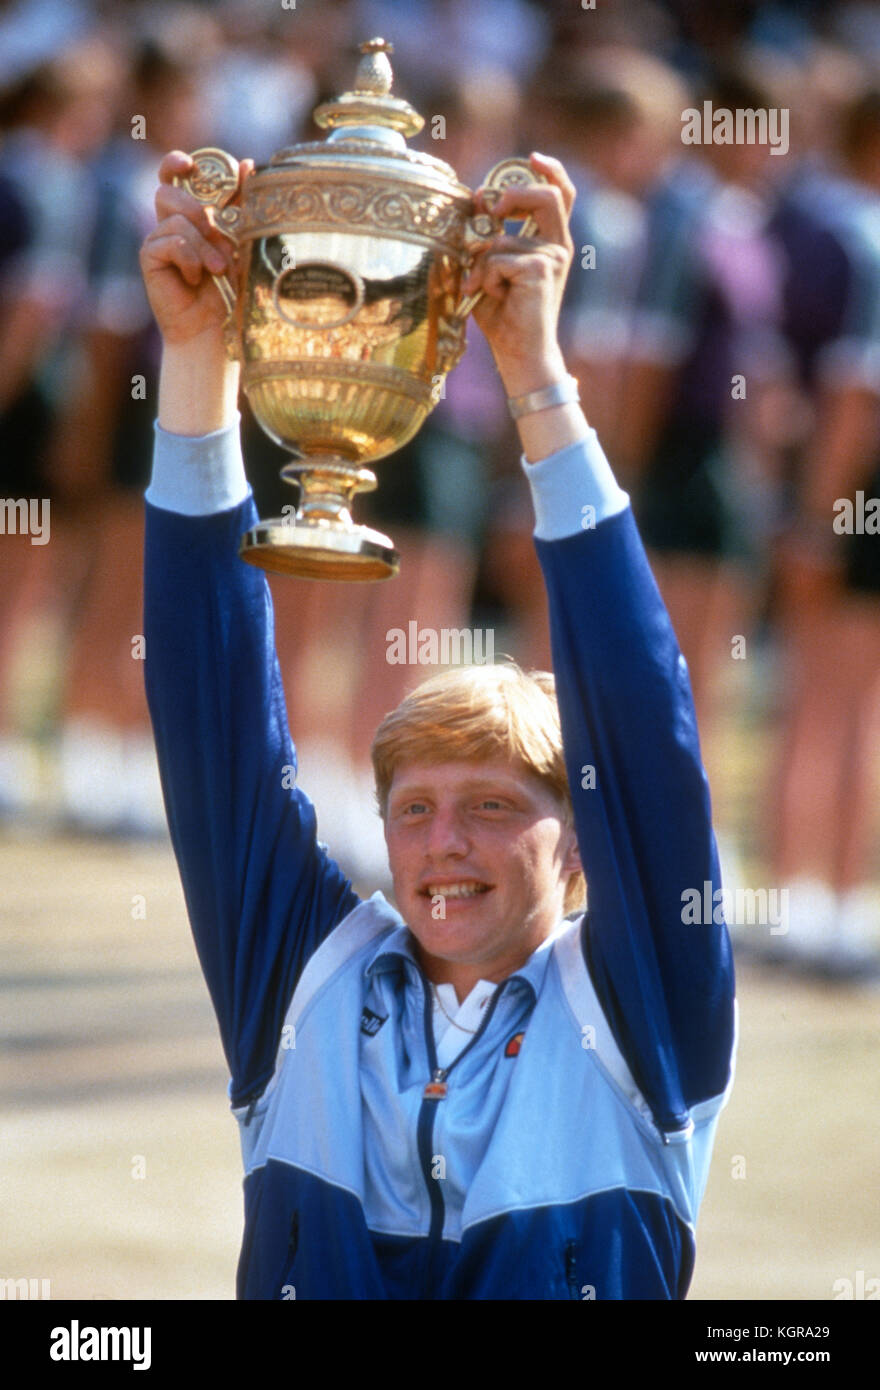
(477, 713)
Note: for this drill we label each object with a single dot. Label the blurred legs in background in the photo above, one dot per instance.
(107, 776)
(824, 783)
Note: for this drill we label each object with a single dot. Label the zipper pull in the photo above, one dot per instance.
(436, 1087)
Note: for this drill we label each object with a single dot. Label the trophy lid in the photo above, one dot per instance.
(370, 104)
(368, 129)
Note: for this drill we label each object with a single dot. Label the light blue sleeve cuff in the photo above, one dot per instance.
(573, 490)
(198, 475)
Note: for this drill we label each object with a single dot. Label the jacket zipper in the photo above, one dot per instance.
(435, 1091)
(571, 1269)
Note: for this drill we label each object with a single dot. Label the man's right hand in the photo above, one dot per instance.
(181, 254)
(198, 384)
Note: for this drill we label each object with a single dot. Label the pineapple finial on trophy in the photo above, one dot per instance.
(374, 73)
(369, 105)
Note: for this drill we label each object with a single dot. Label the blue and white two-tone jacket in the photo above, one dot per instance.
(566, 1152)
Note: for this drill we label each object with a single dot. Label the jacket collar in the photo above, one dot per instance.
(397, 954)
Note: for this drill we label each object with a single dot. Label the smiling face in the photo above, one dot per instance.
(480, 856)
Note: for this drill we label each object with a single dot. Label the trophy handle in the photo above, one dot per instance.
(214, 181)
(509, 173)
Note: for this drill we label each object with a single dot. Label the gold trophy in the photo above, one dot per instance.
(352, 251)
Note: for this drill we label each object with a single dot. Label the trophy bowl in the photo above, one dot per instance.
(351, 255)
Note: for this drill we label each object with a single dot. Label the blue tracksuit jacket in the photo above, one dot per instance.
(573, 1157)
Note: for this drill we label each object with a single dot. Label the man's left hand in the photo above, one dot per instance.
(523, 279)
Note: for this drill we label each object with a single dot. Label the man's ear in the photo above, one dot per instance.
(572, 862)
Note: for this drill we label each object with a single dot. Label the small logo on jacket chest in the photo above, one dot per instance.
(371, 1023)
(514, 1045)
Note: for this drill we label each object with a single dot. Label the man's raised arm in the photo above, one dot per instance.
(260, 892)
(639, 792)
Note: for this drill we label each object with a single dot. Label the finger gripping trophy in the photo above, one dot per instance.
(352, 251)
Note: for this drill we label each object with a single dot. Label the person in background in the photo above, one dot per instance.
(705, 351)
(55, 118)
(705, 342)
(822, 792)
(100, 457)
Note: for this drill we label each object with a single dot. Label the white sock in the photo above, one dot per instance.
(19, 774)
(811, 914)
(91, 774)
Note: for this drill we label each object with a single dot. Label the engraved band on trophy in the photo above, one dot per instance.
(352, 252)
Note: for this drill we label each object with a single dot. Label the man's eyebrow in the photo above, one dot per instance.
(472, 784)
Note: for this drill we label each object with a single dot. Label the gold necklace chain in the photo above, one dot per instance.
(439, 1003)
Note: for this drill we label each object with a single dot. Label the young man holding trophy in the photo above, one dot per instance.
(473, 1096)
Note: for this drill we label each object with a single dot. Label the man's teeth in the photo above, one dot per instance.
(456, 890)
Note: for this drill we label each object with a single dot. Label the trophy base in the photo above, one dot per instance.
(319, 551)
(322, 541)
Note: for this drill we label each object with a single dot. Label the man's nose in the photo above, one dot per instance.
(447, 833)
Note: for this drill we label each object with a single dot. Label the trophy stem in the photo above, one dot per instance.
(321, 541)
(328, 487)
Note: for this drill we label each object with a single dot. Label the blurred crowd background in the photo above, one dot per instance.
(722, 317)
